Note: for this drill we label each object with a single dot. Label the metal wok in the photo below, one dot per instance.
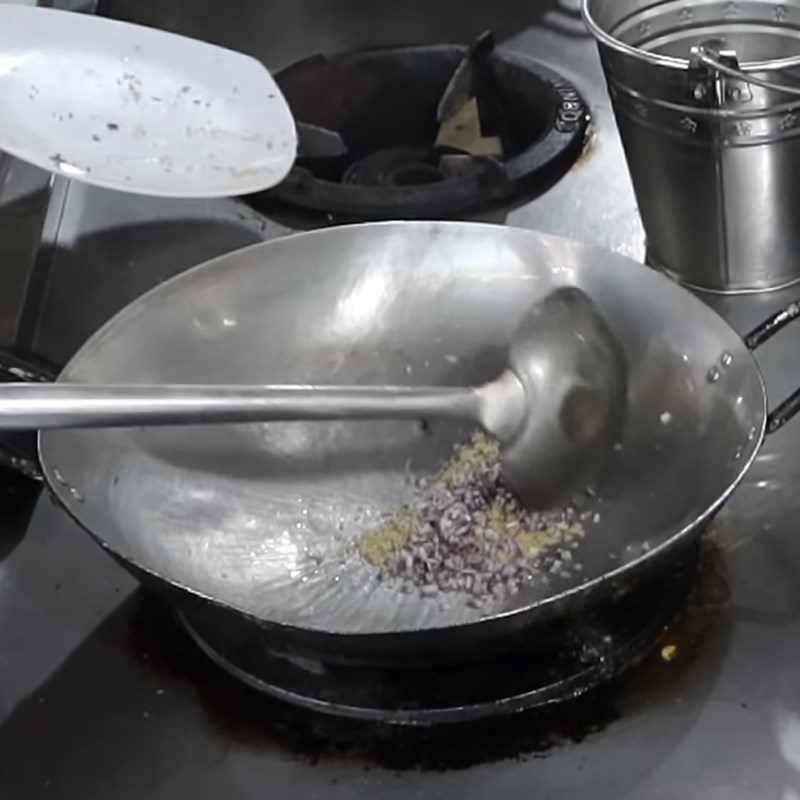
(254, 522)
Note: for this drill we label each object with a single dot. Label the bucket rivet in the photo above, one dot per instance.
(699, 91)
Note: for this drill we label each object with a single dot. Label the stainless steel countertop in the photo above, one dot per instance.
(81, 716)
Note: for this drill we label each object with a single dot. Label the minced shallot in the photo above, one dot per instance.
(467, 533)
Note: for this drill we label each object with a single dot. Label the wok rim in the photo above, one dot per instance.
(542, 607)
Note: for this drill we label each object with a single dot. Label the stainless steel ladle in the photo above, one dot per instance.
(556, 409)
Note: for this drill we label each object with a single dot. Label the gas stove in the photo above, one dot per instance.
(429, 132)
(102, 691)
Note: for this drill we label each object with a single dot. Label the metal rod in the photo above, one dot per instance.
(62, 405)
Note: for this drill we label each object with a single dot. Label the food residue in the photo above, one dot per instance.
(468, 533)
(669, 651)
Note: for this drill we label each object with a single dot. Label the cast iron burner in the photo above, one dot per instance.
(561, 663)
(398, 166)
(370, 124)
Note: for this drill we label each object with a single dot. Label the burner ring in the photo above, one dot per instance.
(397, 166)
(414, 175)
(379, 102)
(563, 662)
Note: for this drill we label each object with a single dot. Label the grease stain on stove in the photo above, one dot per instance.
(692, 642)
(241, 715)
(588, 149)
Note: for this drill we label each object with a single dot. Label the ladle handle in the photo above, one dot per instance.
(26, 406)
(18, 449)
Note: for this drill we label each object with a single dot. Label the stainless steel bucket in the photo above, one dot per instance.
(713, 151)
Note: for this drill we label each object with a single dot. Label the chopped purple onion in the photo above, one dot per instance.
(458, 546)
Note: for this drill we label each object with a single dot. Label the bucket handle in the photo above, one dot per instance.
(708, 56)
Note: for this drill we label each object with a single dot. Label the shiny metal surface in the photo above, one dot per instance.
(574, 379)
(711, 59)
(86, 707)
(498, 406)
(111, 248)
(710, 157)
(261, 518)
(25, 193)
(557, 407)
